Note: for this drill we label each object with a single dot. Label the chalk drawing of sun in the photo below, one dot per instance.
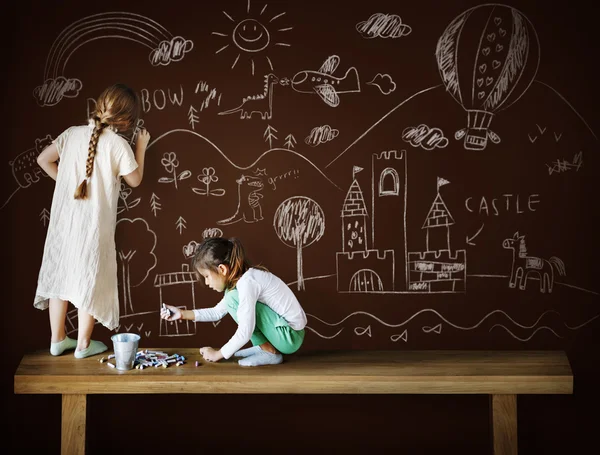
(252, 36)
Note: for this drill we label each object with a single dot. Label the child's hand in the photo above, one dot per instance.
(170, 313)
(143, 137)
(210, 354)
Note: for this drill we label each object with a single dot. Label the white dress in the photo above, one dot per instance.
(79, 262)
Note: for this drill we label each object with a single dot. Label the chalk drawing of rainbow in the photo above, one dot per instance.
(164, 49)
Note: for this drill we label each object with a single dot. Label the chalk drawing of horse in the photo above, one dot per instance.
(523, 266)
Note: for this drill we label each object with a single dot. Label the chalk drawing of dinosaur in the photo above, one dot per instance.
(260, 104)
(249, 196)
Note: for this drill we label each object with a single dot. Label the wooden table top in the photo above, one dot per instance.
(333, 372)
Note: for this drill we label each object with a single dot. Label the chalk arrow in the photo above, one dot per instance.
(470, 239)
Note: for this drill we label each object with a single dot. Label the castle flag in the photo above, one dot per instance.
(356, 170)
(441, 182)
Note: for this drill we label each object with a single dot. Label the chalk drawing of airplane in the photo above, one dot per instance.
(325, 84)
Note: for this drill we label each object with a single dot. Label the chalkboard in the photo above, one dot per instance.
(422, 175)
(416, 182)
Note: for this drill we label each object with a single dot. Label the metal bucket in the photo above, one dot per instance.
(125, 346)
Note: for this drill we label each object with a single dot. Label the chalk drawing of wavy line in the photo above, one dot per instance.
(530, 336)
(323, 336)
(235, 165)
(429, 310)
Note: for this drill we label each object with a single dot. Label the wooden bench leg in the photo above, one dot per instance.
(503, 418)
(73, 424)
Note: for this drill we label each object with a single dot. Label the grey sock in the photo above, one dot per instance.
(248, 352)
(262, 358)
(61, 346)
(95, 347)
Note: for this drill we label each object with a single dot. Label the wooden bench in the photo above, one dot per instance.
(500, 374)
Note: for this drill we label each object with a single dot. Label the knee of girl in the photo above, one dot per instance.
(288, 343)
(288, 348)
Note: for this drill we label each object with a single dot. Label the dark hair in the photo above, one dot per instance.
(214, 251)
(117, 106)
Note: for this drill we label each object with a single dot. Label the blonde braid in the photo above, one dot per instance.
(99, 125)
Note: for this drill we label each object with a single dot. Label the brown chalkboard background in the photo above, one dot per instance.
(553, 206)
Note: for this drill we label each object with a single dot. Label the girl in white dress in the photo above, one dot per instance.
(79, 262)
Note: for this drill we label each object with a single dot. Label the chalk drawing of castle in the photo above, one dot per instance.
(165, 280)
(437, 269)
(360, 269)
(365, 268)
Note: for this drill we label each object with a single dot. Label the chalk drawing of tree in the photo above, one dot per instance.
(142, 254)
(299, 222)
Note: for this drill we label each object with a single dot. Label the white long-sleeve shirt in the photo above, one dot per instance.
(255, 285)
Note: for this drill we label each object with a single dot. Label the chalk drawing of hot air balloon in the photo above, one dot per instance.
(487, 58)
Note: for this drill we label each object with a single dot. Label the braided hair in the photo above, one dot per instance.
(81, 191)
(117, 107)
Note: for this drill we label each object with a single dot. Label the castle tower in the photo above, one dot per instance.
(354, 219)
(388, 208)
(358, 268)
(438, 217)
(437, 269)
